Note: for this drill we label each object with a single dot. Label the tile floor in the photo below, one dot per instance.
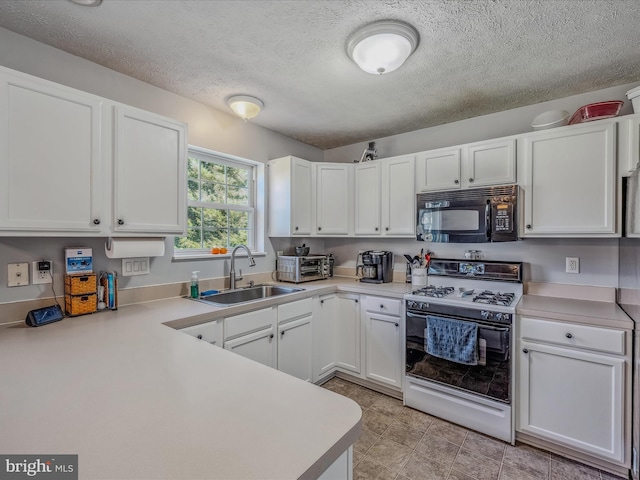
(399, 443)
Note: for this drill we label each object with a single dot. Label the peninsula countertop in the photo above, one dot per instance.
(135, 398)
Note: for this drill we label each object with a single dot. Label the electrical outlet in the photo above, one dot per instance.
(18, 274)
(41, 272)
(572, 265)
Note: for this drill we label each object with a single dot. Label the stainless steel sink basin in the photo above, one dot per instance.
(249, 294)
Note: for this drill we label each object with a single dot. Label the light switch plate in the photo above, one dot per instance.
(18, 274)
(135, 266)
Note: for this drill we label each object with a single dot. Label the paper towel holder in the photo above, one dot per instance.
(147, 251)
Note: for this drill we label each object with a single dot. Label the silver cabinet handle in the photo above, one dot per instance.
(529, 226)
(568, 335)
(524, 350)
(199, 337)
(296, 229)
(381, 306)
(271, 336)
(471, 180)
(456, 181)
(96, 221)
(120, 221)
(397, 324)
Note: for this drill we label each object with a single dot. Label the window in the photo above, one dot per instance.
(221, 203)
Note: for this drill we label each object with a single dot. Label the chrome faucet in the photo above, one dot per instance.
(232, 270)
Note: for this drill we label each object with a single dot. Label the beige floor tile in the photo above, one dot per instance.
(454, 433)
(388, 406)
(376, 421)
(512, 473)
(438, 448)
(368, 469)
(487, 446)
(476, 465)
(363, 396)
(357, 456)
(529, 460)
(421, 467)
(404, 435)
(390, 454)
(456, 475)
(415, 419)
(402, 477)
(366, 440)
(565, 469)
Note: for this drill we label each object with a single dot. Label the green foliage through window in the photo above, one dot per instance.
(220, 203)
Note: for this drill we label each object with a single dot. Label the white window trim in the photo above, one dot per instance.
(259, 207)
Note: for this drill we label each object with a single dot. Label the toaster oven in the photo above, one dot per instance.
(301, 269)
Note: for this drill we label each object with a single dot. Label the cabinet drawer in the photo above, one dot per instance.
(209, 332)
(248, 322)
(573, 335)
(291, 310)
(390, 306)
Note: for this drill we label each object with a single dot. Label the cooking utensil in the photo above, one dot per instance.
(302, 251)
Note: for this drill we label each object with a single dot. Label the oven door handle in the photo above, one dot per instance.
(413, 315)
(495, 329)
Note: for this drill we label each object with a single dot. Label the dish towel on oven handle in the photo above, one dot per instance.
(454, 340)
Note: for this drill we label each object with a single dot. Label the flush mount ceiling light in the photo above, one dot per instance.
(87, 3)
(382, 47)
(244, 106)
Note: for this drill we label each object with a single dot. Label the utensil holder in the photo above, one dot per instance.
(419, 277)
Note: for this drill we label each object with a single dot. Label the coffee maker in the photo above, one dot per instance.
(375, 266)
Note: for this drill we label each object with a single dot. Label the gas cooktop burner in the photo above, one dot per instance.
(494, 298)
(433, 291)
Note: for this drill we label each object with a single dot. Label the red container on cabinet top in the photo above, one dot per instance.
(596, 111)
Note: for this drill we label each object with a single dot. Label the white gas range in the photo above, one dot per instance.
(458, 344)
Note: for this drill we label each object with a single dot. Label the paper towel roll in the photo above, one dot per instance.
(134, 247)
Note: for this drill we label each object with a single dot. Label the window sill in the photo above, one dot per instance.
(178, 257)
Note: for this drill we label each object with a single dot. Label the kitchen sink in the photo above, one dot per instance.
(248, 294)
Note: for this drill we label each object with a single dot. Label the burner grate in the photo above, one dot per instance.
(433, 291)
(494, 298)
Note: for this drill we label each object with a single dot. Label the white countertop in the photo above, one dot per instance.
(136, 399)
(603, 314)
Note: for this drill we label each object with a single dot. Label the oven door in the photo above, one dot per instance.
(491, 378)
(454, 222)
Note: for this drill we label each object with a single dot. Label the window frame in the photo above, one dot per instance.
(255, 182)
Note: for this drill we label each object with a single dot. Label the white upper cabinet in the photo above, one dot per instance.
(438, 169)
(333, 199)
(489, 163)
(50, 157)
(290, 197)
(149, 173)
(569, 182)
(629, 145)
(71, 162)
(486, 163)
(367, 198)
(398, 202)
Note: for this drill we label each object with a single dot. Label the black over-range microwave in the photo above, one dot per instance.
(476, 215)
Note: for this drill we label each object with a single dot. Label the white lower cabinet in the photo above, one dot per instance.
(210, 332)
(324, 335)
(252, 335)
(573, 387)
(294, 339)
(383, 351)
(348, 333)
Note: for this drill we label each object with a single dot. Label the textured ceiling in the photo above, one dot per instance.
(475, 56)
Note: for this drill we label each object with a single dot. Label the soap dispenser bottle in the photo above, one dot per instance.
(195, 289)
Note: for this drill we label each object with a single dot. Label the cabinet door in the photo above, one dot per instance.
(301, 205)
(348, 331)
(209, 332)
(50, 157)
(325, 314)
(149, 173)
(367, 198)
(438, 169)
(398, 201)
(383, 349)
(334, 199)
(258, 346)
(570, 189)
(490, 163)
(294, 348)
(573, 398)
(628, 145)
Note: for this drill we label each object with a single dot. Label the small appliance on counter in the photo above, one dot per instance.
(375, 266)
(297, 269)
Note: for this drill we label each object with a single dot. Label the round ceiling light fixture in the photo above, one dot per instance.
(383, 46)
(244, 106)
(87, 3)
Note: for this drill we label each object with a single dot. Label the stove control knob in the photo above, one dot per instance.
(486, 314)
(499, 316)
(411, 304)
